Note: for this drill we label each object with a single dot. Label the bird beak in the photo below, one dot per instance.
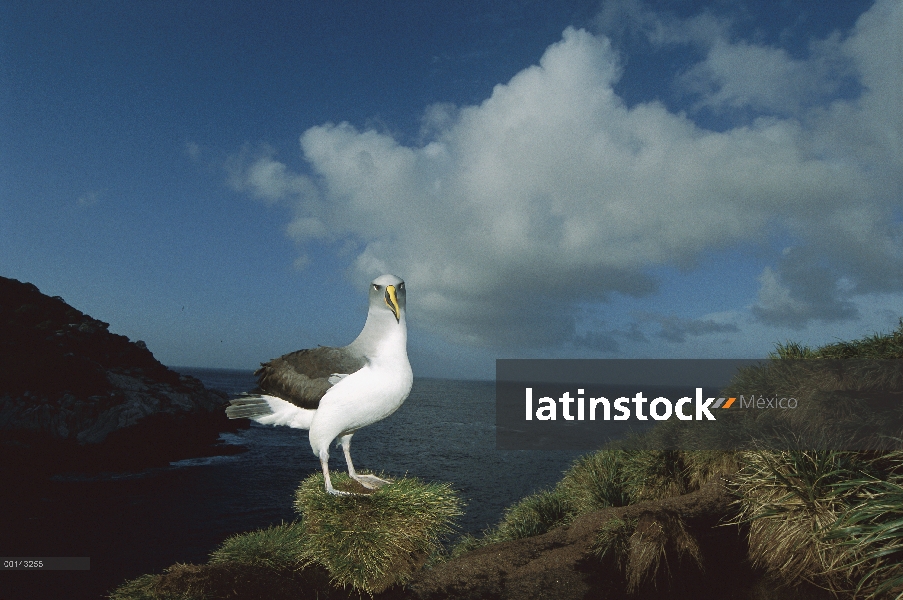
(392, 302)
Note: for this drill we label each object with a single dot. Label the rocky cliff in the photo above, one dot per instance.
(74, 394)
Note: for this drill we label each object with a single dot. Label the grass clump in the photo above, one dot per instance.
(609, 477)
(832, 518)
(371, 542)
(870, 533)
(659, 548)
(148, 587)
(648, 550)
(790, 499)
(280, 547)
(534, 515)
(655, 474)
(613, 541)
(596, 481)
(140, 588)
(619, 477)
(877, 346)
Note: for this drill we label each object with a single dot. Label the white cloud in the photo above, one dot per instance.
(553, 193)
(763, 78)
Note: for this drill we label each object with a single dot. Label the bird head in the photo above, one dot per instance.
(387, 292)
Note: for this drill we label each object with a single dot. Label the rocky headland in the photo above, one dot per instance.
(74, 396)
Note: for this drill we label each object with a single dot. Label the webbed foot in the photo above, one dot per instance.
(371, 482)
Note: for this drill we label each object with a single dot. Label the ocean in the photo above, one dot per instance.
(135, 523)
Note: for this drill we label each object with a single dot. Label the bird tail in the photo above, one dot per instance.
(248, 407)
(270, 410)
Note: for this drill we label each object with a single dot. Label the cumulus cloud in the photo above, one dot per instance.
(743, 75)
(553, 193)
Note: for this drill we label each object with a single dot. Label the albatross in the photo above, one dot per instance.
(333, 392)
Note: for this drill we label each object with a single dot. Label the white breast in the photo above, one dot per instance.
(362, 398)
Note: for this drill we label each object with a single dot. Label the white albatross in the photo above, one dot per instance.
(333, 392)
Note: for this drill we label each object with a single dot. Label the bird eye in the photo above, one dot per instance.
(376, 287)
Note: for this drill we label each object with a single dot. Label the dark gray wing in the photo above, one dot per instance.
(302, 377)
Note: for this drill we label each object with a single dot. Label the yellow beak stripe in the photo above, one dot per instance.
(392, 302)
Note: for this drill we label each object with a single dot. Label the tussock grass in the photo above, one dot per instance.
(659, 548)
(819, 487)
(371, 542)
(876, 346)
(613, 542)
(148, 587)
(654, 474)
(609, 477)
(703, 466)
(820, 490)
(870, 533)
(790, 499)
(832, 518)
(465, 544)
(280, 547)
(534, 515)
(596, 481)
(140, 588)
(850, 395)
(648, 550)
(823, 495)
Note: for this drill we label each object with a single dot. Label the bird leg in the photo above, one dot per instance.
(324, 463)
(371, 482)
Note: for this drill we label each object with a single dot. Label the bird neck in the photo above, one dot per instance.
(382, 336)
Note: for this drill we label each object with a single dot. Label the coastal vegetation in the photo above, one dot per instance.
(360, 543)
(784, 504)
(819, 494)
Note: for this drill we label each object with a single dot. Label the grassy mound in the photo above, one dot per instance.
(371, 542)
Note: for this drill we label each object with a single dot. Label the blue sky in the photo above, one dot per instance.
(552, 179)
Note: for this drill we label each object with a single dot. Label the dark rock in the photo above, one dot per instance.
(74, 395)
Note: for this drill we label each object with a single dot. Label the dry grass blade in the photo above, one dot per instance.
(660, 547)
